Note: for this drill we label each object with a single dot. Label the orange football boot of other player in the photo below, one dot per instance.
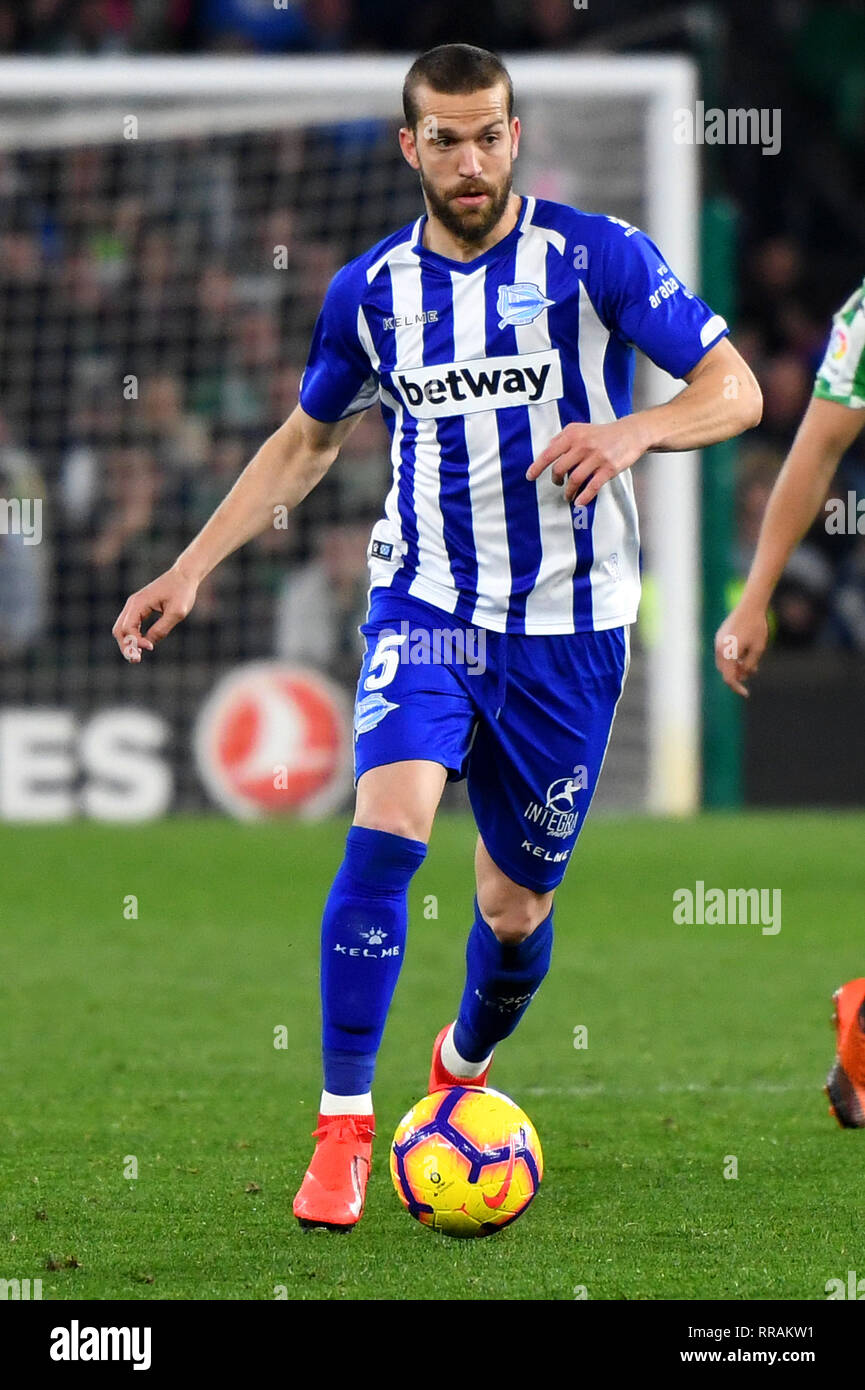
(845, 1084)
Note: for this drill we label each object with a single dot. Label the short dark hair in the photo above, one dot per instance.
(454, 68)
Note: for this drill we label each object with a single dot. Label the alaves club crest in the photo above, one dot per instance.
(521, 303)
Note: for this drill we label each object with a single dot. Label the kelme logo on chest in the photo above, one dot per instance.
(486, 383)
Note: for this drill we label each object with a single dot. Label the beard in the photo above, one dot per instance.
(470, 225)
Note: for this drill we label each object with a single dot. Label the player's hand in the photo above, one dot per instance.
(584, 457)
(739, 643)
(172, 595)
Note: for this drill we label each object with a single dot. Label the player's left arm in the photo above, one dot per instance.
(721, 399)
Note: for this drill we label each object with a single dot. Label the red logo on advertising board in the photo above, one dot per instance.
(273, 739)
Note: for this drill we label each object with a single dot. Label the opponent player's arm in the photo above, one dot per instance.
(286, 468)
(826, 432)
(721, 399)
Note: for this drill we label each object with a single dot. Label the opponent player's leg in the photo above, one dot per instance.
(362, 946)
(507, 956)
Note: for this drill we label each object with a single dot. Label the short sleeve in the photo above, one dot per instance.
(338, 379)
(841, 375)
(645, 302)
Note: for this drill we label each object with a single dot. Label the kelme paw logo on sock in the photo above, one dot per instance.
(374, 936)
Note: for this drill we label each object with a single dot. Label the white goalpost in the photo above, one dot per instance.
(598, 132)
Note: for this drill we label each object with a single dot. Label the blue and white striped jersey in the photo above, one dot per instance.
(477, 365)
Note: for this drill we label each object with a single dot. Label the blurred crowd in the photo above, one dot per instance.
(284, 26)
(156, 307)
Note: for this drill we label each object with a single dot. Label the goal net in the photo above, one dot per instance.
(168, 228)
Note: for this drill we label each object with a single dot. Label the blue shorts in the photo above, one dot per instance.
(525, 719)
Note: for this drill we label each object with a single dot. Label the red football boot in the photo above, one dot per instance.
(845, 1084)
(440, 1078)
(332, 1193)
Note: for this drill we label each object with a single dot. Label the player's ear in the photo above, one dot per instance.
(516, 129)
(408, 145)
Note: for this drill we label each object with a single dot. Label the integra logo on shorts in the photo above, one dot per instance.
(559, 814)
(489, 383)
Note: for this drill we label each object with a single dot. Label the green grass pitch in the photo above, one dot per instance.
(152, 1038)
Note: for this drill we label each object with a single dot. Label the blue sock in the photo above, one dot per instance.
(501, 982)
(362, 944)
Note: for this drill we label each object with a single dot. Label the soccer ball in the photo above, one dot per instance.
(466, 1161)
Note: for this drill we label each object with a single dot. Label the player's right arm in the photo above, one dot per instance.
(826, 432)
(338, 385)
(286, 468)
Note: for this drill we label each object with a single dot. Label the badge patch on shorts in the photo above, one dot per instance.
(371, 711)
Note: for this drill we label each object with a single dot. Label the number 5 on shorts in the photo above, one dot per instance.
(385, 656)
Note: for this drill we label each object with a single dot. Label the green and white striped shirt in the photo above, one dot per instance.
(841, 376)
